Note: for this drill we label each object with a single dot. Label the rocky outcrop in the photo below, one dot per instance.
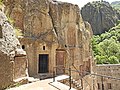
(100, 15)
(44, 17)
(55, 29)
(12, 57)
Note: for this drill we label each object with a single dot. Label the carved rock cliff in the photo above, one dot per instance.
(40, 18)
(55, 29)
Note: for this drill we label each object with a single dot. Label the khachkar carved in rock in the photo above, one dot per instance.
(12, 57)
(54, 32)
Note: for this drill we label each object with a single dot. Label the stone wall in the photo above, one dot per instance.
(108, 70)
(11, 68)
(6, 71)
(89, 82)
(20, 65)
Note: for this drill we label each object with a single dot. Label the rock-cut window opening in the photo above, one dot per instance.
(109, 85)
(98, 85)
(43, 47)
(1, 35)
(23, 46)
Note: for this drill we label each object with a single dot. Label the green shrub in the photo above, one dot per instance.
(106, 47)
(18, 32)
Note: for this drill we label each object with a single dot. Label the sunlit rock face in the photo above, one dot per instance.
(12, 57)
(55, 29)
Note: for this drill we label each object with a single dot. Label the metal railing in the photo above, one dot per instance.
(70, 77)
(80, 74)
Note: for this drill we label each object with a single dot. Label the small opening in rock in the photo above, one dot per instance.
(1, 35)
(65, 45)
(98, 85)
(23, 46)
(43, 47)
(109, 85)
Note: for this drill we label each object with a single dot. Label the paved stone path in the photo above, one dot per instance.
(39, 85)
(43, 85)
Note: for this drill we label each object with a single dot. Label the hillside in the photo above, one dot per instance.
(100, 15)
(116, 4)
(106, 46)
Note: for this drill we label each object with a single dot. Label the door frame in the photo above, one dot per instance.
(60, 50)
(39, 63)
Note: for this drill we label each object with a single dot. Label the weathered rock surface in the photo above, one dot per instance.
(10, 50)
(55, 29)
(48, 21)
(100, 15)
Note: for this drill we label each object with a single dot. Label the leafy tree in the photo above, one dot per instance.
(113, 60)
(106, 47)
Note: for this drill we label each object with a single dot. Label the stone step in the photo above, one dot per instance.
(74, 83)
(61, 77)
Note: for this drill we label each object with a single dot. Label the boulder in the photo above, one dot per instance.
(12, 56)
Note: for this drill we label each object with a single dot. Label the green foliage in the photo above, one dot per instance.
(116, 5)
(118, 22)
(106, 47)
(18, 32)
(1, 2)
(10, 20)
(17, 84)
(113, 60)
